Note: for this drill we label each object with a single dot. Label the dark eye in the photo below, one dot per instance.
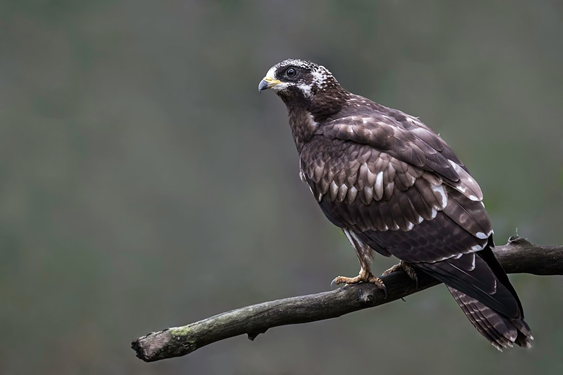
(291, 73)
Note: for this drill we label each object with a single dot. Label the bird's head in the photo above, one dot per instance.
(302, 83)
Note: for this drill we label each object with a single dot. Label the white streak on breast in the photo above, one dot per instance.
(333, 190)
(379, 185)
(342, 193)
(370, 176)
(352, 192)
(368, 191)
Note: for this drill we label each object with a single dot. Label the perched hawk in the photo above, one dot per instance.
(394, 186)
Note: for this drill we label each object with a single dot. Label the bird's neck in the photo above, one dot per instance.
(328, 103)
(305, 116)
(303, 126)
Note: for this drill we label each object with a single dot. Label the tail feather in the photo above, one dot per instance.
(501, 331)
(482, 290)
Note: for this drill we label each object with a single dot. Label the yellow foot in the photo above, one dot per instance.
(405, 267)
(363, 277)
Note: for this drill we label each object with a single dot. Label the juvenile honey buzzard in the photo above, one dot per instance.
(394, 186)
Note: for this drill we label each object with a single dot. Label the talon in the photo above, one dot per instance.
(335, 282)
(405, 267)
(379, 283)
(395, 268)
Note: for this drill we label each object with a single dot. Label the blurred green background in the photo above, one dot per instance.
(145, 183)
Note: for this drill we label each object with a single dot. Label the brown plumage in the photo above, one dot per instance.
(394, 186)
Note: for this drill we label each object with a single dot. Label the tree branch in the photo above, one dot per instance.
(517, 256)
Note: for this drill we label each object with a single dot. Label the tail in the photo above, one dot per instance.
(500, 330)
(482, 290)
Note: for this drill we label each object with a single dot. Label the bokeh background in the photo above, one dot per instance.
(146, 184)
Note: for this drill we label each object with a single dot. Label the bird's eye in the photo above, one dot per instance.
(291, 73)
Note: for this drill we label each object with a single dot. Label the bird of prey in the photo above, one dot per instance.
(394, 186)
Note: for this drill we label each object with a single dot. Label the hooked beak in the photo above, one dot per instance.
(267, 83)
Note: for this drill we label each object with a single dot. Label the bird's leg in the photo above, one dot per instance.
(364, 254)
(405, 267)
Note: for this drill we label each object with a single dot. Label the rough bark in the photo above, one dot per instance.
(517, 256)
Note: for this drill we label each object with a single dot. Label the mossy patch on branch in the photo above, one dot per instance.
(180, 331)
